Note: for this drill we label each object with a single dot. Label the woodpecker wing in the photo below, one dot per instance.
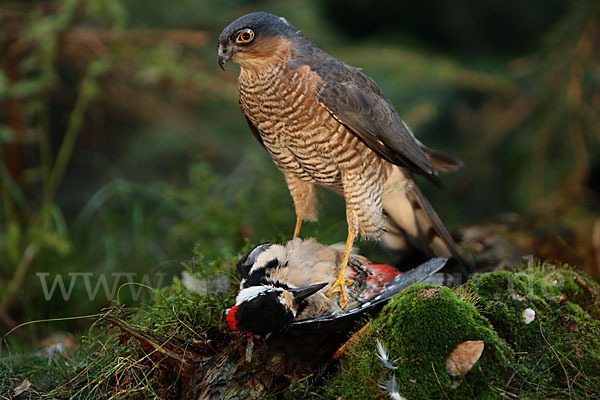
(366, 301)
(408, 278)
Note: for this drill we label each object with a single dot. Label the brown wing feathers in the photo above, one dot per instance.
(358, 103)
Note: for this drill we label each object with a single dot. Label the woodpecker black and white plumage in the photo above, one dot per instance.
(285, 285)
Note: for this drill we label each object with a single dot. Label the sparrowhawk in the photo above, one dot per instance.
(326, 123)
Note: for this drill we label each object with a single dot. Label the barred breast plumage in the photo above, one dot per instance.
(307, 142)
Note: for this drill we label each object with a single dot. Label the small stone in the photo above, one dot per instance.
(463, 357)
(528, 315)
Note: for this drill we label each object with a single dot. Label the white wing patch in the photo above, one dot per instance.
(252, 292)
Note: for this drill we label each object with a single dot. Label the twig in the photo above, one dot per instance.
(559, 360)
(340, 352)
(51, 320)
(89, 366)
(438, 381)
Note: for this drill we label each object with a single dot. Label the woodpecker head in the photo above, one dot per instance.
(268, 308)
(267, 302)
(254, 38)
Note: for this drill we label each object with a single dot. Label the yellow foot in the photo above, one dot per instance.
(334, 289)
(339, 286)
(340, 281)
(323, 309)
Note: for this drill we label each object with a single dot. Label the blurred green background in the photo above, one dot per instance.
(124, 150)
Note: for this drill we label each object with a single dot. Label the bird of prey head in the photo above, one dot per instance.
(253, 37)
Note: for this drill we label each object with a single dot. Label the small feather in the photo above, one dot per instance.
(204, 287)
(391, 388)
(384, 355)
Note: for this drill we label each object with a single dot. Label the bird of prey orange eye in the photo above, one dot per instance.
(325, 123)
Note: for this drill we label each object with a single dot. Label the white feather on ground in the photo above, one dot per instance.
(384, 356)
(391, 388)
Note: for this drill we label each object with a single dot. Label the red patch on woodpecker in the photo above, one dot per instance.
(383, 272)
(232, 318)
(232, 321)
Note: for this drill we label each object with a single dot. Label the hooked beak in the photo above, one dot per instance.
(302, 293)
(224, 56)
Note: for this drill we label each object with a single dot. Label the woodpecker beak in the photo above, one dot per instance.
(302, 293)
(224, 56)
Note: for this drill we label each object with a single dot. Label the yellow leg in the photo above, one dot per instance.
(340, 281)
(298, 225)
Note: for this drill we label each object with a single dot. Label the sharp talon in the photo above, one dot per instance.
(338, 286)
(323, 309)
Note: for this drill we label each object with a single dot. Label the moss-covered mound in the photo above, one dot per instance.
(421, 327)
(557, 354)
(178, 346)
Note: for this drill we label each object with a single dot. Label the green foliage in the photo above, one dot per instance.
(122, 225)
(106, 364)
(33, 226)
(180, 313)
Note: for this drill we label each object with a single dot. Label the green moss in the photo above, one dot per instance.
(178, 312)
(421, 327)
(556, 355)
(113, 358)
(559, 352)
